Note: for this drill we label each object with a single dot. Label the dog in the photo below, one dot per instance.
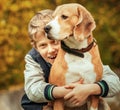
(78, 57)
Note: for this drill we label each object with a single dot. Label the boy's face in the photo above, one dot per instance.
(48, 49)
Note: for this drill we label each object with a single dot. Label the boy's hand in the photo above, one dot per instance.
(72, 85)
(78, 95)
(60, 91)
(81, 92)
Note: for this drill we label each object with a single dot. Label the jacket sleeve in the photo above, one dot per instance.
(112, 81)
(34, 81)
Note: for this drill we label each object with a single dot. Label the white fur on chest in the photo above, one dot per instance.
(79, 68)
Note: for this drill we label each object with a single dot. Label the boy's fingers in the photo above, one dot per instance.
(70, 86)
(81, 81)
(68, 96)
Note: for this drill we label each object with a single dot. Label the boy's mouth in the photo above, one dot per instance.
(52, 57)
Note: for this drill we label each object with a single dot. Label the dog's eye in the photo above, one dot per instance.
(64, 17)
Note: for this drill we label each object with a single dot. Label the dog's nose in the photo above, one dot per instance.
(47, 28)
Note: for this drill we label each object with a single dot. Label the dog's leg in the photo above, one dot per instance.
(58, 105)
(93, 103)
(103, 105)
(97, 103)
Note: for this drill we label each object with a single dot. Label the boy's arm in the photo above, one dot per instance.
(112, 81)
(34, 80)
(36, 88)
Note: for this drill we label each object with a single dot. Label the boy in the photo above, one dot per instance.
(36, 74)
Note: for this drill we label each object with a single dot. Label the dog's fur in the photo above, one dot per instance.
(73, 25)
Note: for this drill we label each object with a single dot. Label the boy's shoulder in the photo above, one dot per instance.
(35, 55)
(33, 52)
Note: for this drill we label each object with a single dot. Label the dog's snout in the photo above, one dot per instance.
(47, 28)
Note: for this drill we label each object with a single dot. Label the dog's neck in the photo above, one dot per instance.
(77, 48)
(71, 42)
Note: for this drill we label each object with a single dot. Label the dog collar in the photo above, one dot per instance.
(77, 52)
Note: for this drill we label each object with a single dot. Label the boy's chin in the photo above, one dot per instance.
(51, 61)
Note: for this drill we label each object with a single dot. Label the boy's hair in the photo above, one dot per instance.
(38, 22)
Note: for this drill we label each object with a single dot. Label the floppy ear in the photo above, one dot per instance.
(85, 24)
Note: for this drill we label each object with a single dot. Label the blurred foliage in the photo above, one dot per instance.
(14, 41)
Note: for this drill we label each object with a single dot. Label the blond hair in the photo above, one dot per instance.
(38, 22)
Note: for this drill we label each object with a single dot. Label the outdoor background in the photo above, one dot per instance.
(14, 40)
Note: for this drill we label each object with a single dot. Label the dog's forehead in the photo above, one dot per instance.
(66, 10)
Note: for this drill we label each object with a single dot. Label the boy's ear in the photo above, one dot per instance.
(85, 24)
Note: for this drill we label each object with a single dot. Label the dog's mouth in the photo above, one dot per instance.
(67, 37)
(71, 35)
(51, 37)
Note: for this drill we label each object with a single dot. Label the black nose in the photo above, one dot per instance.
(47, 28)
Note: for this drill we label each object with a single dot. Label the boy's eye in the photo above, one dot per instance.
(42, 45)
(55, 42)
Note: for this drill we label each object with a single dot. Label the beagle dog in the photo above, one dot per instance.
(79, 56)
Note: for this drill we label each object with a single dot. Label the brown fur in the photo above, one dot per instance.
(57, 77)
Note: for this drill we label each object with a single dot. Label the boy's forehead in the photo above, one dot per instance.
(42, 39)
(40, 34)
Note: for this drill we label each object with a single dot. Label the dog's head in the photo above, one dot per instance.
(70, 19)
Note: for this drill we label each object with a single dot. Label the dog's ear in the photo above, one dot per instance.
(85, 24)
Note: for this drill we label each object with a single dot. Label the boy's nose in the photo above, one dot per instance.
(47, 28)
(50, 49)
